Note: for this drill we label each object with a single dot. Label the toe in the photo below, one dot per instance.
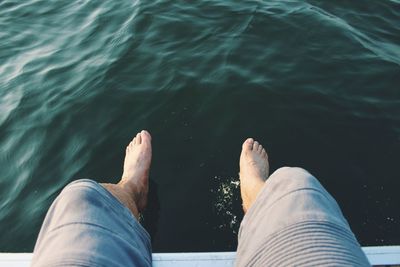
(248, 144)
(138, 139)
(146, 138)
(256, 146)
(133, 141)
(264, 153)
(144, 132)
(260, 149)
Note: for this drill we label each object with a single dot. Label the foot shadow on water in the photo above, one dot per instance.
(151, 215)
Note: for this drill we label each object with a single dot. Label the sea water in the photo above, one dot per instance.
(316, 82)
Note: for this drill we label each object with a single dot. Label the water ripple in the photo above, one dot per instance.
(313, 80)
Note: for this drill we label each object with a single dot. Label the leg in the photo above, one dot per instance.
(290, 218)
(93, 225)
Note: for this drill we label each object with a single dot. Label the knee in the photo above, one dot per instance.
(78, 192)
(293, 171)
(296, 175)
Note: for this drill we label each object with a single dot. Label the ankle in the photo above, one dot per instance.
(250, 193)
(123, 195)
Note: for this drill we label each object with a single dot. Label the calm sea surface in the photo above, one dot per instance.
(316, 82)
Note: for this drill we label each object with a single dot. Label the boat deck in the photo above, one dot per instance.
(382, 255)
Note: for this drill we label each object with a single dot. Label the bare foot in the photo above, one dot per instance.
(135, 179)
(254, 170)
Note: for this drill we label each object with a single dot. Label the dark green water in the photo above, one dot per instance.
(316, 82)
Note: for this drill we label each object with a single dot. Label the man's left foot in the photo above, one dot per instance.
(254, 170)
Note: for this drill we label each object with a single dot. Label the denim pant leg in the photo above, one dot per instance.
(87, 226)
(295, 222)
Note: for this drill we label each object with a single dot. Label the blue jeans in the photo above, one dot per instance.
(87, 226)
(293, 222)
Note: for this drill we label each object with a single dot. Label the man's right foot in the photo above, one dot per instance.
(135, 179)
(254, 170)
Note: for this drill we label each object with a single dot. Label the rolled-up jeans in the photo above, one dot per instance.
(87, 226)
(294, 221)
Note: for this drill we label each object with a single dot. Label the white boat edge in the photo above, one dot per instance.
(379, 255)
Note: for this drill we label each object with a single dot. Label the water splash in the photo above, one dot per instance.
(226, 193)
